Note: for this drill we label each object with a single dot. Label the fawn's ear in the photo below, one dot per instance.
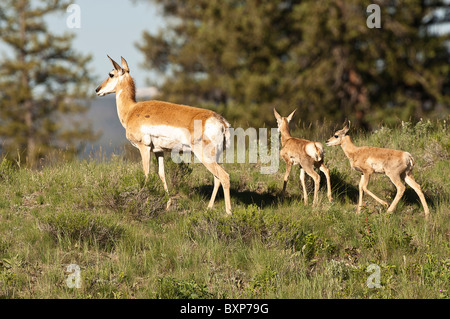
(347, 127)
(289, 118)
(277, 116)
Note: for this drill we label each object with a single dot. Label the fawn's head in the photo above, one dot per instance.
(338, 136)
(283, 122)
(114, 78)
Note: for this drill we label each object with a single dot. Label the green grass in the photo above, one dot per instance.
(103, 216)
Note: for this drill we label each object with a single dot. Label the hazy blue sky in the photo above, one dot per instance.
(112, 27)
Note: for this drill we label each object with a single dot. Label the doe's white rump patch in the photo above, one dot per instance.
(214, 130)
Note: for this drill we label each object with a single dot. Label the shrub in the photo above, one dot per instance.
(171, 288)
(263, 283)
(81, 227)
(245, 224)
(177, 174)
(133, 195)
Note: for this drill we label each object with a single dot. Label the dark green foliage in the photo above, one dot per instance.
(245, 57)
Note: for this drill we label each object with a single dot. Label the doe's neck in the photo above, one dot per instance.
(125, 98)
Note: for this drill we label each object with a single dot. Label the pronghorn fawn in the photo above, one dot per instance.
(307, 154)
(158, 127)
(397, 165)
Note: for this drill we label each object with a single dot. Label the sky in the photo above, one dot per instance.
(112, 27)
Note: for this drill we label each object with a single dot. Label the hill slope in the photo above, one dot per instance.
(104, 217)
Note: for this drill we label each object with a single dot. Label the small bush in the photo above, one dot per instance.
(82, 227)
(171, 288)
(178, 174)
(263, 283)
(133, 195)
(245, 224)
(339, 270)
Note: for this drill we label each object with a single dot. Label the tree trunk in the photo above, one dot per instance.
(25, 82)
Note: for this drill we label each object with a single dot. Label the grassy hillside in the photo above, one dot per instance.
(103, 216)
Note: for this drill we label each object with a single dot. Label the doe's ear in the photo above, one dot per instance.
(116, 66)
(125, 65)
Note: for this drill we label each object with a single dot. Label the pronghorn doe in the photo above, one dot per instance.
(155, 126)
(307, 154)
(397, 165)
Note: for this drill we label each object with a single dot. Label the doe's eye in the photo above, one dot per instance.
(111, 75)
(336, 136)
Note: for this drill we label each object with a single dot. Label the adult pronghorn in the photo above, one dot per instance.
(307, 154)
(397, 165)
(155, 126)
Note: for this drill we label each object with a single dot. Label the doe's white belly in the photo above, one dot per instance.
(165, 137)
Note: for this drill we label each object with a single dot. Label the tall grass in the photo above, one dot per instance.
(102, 215)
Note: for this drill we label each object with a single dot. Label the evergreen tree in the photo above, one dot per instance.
(319, 56)
(227, 54)
(400, 70)
(43, 84)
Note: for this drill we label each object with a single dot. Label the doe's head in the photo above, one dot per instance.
(114, 78)
(338, 136)
(283, 122)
